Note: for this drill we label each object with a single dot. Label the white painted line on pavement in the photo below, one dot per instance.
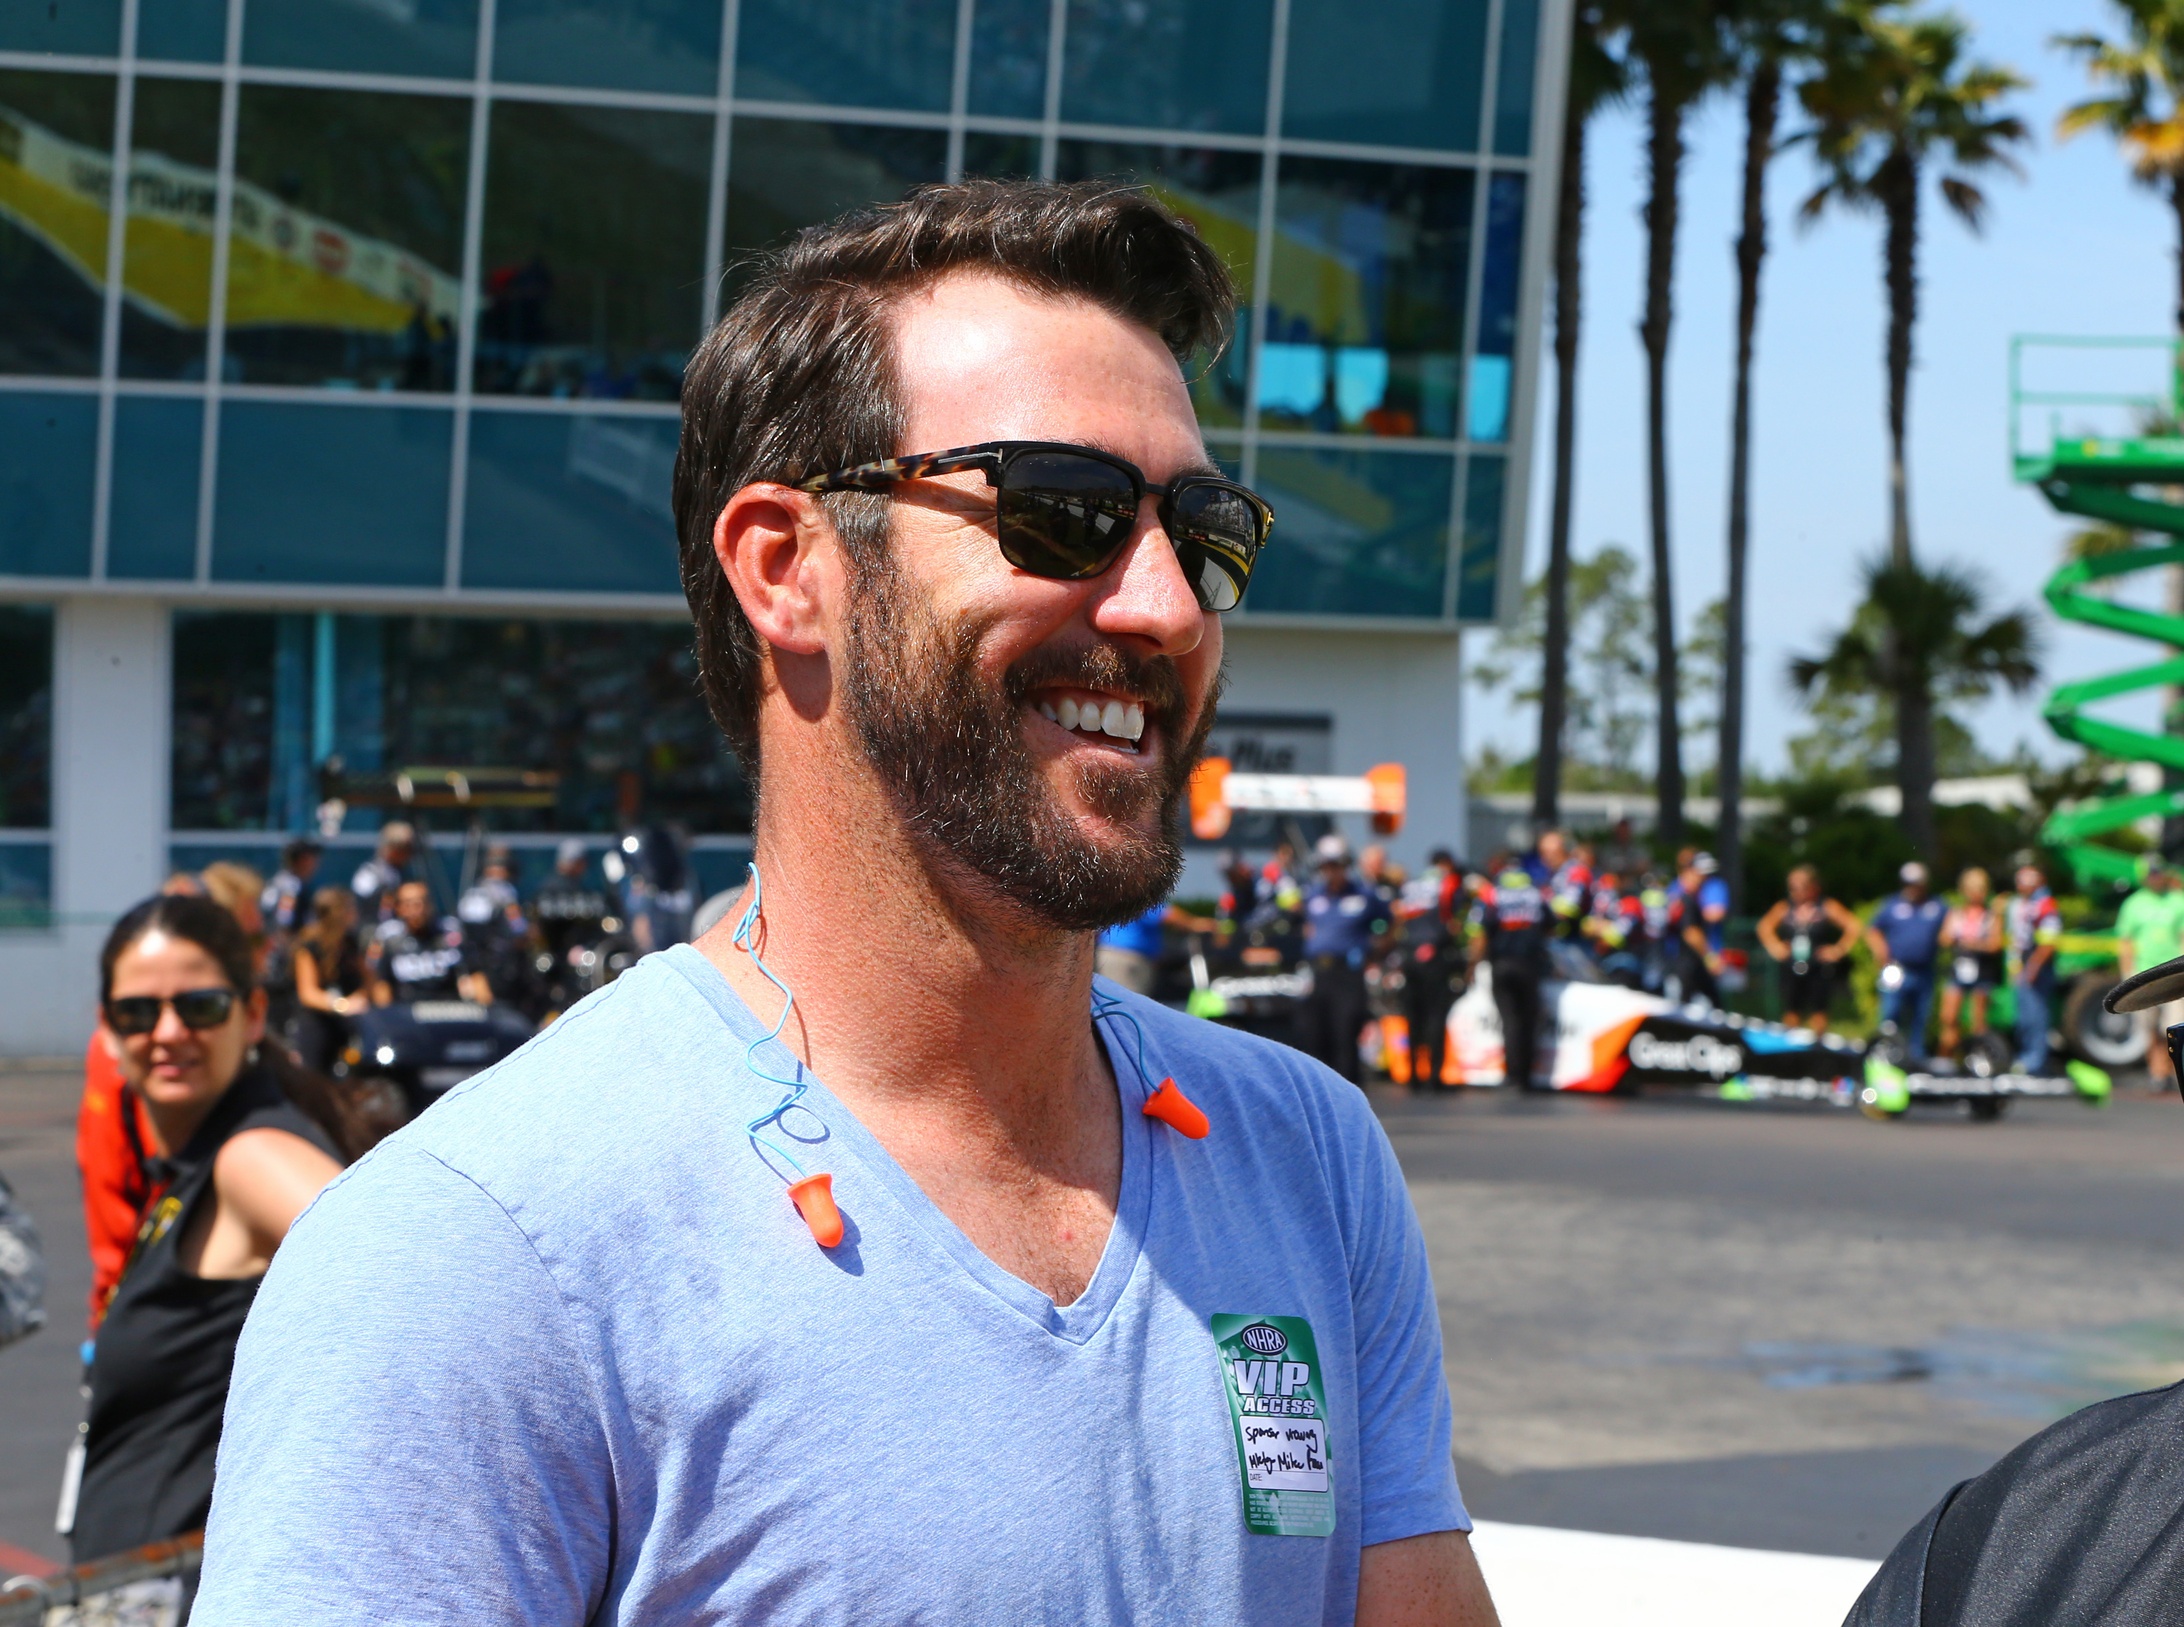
(1543, 1577)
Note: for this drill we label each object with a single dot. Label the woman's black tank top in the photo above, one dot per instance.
(1802, 925)
(159, 1375)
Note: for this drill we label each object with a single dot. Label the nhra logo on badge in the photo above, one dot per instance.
(1267, 1341)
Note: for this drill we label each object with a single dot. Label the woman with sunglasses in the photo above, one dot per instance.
(237, 1160)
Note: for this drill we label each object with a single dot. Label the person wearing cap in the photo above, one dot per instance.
(1510, 930)
(1905, 936)
(380, 877)
(1343, 919)
(2035, 931)
(1698, 902)
(2150, 931)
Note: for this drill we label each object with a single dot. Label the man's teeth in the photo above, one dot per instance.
(1115, 718)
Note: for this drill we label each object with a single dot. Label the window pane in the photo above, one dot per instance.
(666, 45)
(988, 152)
(331, 494)
(152, 529)
(67, 27)
(1398, 73)
(56, 142)
(611, 707)
(575, 503)
(183, 30)
(1355, 533)
(594, 250)
(1486, 417)
(26, 886)
(435, 37)
(26, 718)
(1009, 58)
(1169, 64)
(785, 174)
(166, 263)
(1365, 315)
(1479, 570)
(1218, 192)
(1513, 87)
(347, 239)
(47, 446)
(847, 53)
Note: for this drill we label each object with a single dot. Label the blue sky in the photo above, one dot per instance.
(2074, 248)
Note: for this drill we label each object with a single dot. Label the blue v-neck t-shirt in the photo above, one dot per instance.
(562, 1351)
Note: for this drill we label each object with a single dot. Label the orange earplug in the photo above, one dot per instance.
(814, 1200)
(1177, 1111)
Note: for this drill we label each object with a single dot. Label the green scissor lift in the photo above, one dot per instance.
(2134, 480)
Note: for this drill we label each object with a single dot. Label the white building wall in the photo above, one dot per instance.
(111, 676)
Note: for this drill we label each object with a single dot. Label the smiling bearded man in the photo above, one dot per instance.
(963, 1286)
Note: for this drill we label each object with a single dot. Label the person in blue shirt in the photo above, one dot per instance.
(1344, 920)
(1129, 954)
(870, 1260)
(1905, 935)
(1698, 905)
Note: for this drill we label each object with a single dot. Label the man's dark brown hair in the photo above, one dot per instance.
(799, 377)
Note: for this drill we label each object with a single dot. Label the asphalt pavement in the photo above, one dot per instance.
(1767, 1327)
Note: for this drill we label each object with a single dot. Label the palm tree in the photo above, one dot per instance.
(1680, 48)
(2144, 109)
(1895, 98)
(1596, 79)
(1766, 35)
(1920, 640)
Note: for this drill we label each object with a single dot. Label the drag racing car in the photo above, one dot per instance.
(1599, 1036)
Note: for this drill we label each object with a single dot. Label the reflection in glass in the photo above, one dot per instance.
(1397, 73)
(312, 493)
(611, 707)
(151, 528)
(47, 447)
(182, 31)
(56, 142)
(1486, 414)
(577, 504)
(1009, 59)
(26, 886)
(992, 152)
(1513, 88)
(1168, 64)
(1355, 534)
(431, 38)
(667, 45)
(26, 717)
(346, 238)
(1479, 565)
(594, 250)
(783, 174)
(62, 27)
(1217, 192)
(1365, 312)
(166, 259)
(847, 53)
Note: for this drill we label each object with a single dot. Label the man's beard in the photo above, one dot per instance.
(949, 747)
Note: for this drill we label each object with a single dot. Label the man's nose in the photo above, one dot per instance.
(1145, 595)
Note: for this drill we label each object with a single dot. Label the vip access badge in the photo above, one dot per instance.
(1270, 1369)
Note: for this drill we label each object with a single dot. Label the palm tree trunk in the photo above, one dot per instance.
(1898, 184)
(1664, 164)
(1554, 686)
(1915, 766)
(1762, 104)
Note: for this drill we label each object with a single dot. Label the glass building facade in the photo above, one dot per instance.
(354, 329)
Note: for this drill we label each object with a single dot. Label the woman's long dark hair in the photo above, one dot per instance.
(202, 922)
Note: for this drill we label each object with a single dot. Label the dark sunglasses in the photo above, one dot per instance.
(1064, 512)
(135, 1014)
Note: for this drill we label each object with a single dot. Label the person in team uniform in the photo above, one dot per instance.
(1906, 938)
(1343, 921)
(1807, 934)
(1512, 923)
(1426, 920)
(1971, 949)
(1569, 885)
(2033, 927)
(380, 877)
(286, 902)
(413, 957)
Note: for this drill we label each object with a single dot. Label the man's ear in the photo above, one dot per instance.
(782, 560)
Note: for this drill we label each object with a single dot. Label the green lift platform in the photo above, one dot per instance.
(2134, 480)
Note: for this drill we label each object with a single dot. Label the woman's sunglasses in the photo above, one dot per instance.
(1064, 512)
(134, 1014)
